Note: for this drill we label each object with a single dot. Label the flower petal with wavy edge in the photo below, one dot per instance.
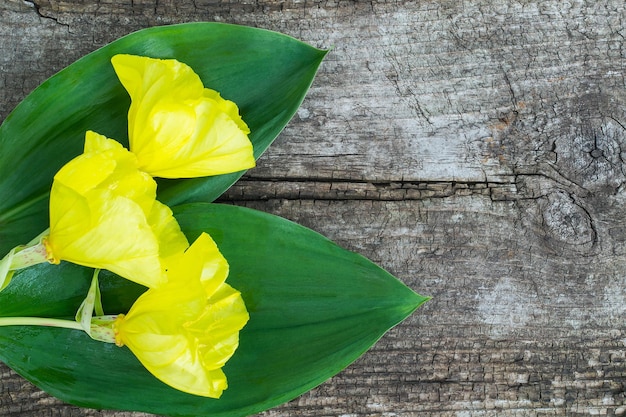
(103, 214)
(184, 331)
(172, 242)
(176, 127)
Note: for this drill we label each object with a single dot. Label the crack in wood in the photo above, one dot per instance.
(37, 7)
(303, 189)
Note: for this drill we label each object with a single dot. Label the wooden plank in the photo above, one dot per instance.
(472, 148)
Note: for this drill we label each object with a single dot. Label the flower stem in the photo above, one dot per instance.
(33, 253)
(40, 321)
(101, 326)
(29, 256)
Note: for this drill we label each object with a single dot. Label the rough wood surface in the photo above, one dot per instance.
(473, 148)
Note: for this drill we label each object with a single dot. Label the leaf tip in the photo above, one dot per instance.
(418, 300)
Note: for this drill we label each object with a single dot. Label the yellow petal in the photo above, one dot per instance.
(148, 78)
(171, 240)
(102, 230)
(217, 328)
(214, 267)
(147, 81)
(108, 165)
(177, 128)
(95, 142)
(103, 214)
(217, 146)
(70, 216)
(81, 174)
(172, 361)
(228, 107)
(165, 308)
(179, 333)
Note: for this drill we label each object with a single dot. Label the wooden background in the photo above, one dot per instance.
(475, 149)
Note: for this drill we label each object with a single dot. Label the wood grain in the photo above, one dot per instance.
(475, 149)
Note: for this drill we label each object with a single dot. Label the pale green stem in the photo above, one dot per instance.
(101, 326)
(33, 253)
(102, 329)
(40, 321)
(29, 256)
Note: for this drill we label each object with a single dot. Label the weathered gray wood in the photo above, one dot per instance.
(472, 148)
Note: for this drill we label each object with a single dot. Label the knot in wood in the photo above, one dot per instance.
(589, 144)
(566, 225)
(597, 153)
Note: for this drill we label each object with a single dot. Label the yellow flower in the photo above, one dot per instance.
(184, 331)
(103, 214)
(176, 127)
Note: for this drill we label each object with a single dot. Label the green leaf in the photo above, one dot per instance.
(314, 308)
(266, 73)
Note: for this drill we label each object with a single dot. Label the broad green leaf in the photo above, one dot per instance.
(266, 73)
(314, 308)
